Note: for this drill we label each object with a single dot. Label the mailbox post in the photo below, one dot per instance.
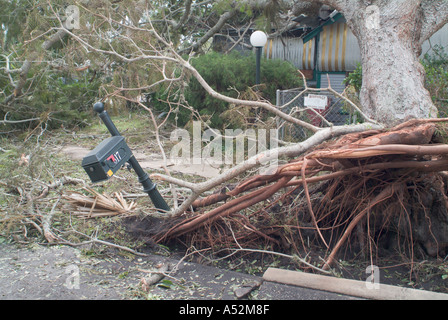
(111, 154)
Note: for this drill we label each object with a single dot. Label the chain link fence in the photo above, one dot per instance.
(442, 107)
(292, 102)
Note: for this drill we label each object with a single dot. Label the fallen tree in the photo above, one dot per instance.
(376, 181)
(369, 182)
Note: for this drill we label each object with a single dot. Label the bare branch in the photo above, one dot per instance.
(257, 160)
(267, 106)
(241, 37)
(6, 121)
(185, 16)
(222, 20)
(176, 57)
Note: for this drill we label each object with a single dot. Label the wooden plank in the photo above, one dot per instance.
(349, 287)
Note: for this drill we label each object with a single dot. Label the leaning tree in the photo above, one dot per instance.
(390, 35)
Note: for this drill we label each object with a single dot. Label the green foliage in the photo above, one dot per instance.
(11, 21)
(436, 80)
(354, 79)
(57, 99)
(231, 75)
(69, 99)
(56, 95)
(354, 84)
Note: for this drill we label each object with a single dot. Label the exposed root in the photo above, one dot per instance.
(372, 182)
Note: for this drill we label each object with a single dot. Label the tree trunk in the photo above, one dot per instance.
(393, 77)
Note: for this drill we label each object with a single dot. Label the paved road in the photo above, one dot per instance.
(63, 273)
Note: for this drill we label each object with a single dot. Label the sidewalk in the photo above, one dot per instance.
(63, 273)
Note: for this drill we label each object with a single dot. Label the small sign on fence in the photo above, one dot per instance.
(315, 101)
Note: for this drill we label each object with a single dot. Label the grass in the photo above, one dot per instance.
(20, 184)
(137, 127)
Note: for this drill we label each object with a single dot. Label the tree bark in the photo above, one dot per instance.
(393, 78)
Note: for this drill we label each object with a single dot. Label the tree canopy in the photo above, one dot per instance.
(127, 48)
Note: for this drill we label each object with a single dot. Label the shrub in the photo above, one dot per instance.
(354, 79)
(57, 99)
(231, 74)
(436, 80)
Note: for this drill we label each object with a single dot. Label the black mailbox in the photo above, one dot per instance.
(107, 158)
(110, 155)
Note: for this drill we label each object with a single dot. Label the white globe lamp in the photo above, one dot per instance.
(258, 39)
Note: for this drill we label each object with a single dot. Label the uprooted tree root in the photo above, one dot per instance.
(362, 186)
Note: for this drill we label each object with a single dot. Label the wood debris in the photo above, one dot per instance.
(97, 205)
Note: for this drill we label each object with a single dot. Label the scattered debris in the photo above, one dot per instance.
(154, 276)
(24, 160)
(97, 205)
(244, 290)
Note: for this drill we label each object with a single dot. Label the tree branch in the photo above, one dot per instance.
(339, 5)
(185, 16)
(267, 106)
(257, 160)
(435, 16)
(179, 60)
(6, 121)
(222, 20)
(169, 53)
